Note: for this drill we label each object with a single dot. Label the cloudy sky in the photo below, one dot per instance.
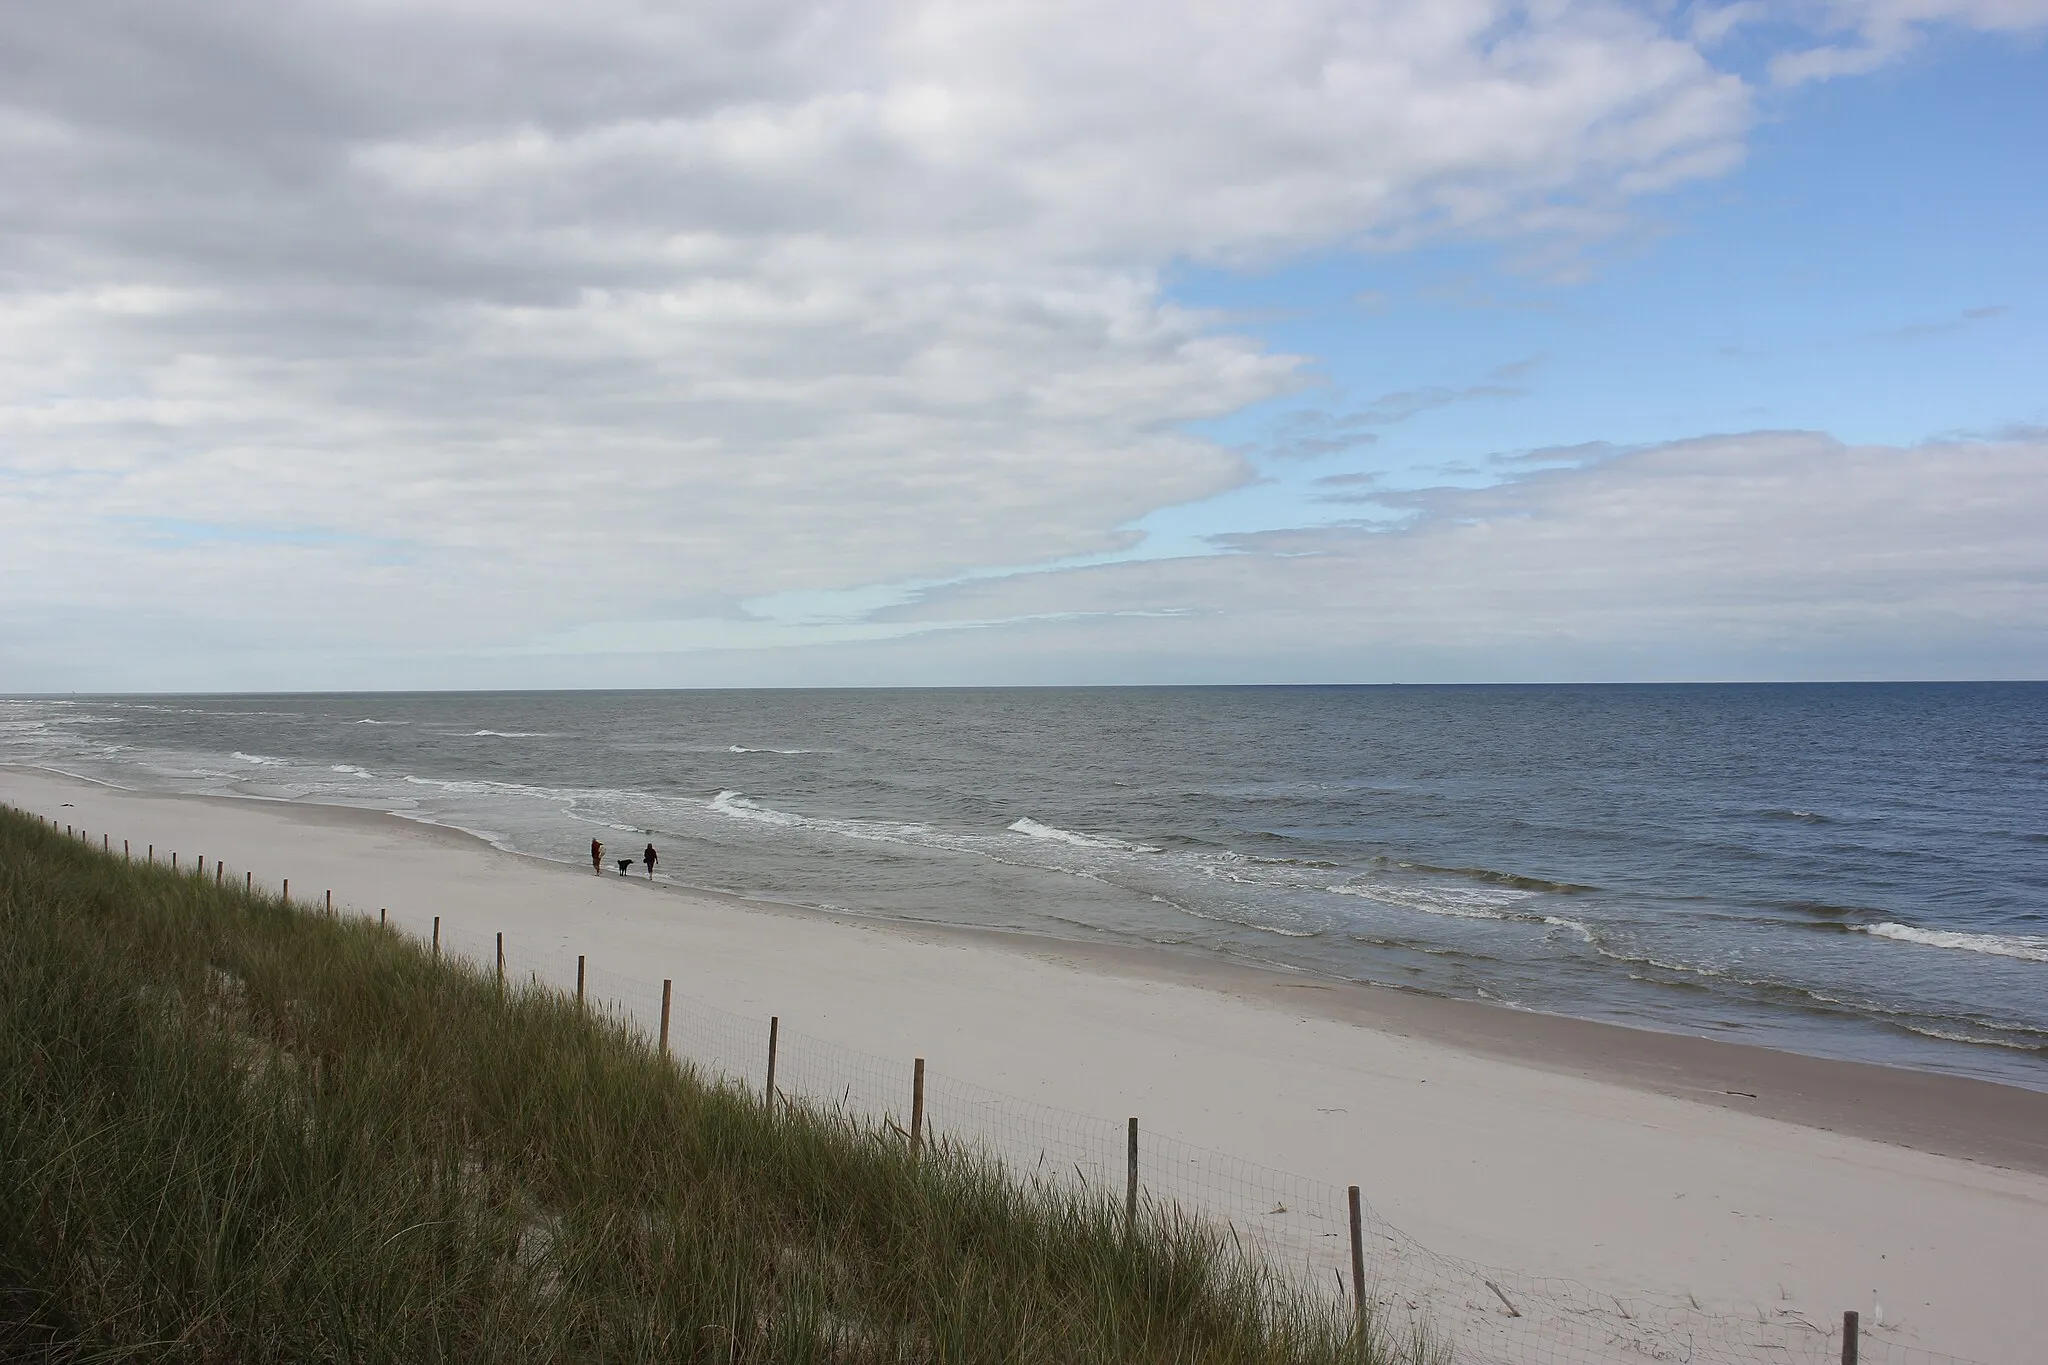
(349, 343)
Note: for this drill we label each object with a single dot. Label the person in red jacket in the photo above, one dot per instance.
(597, 857)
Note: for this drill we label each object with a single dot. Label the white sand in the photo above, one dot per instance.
(1532, 1168)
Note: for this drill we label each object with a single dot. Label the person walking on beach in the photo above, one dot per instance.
(596, 857)
(650, 857)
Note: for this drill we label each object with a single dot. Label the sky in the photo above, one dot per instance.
(787, 343)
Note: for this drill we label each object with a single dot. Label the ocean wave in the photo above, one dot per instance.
(1828, 911)
(1805, 817)
(1449, 902)
(510, 734)
(1035, 830)
(1579, 927)
(740, 808)
(351, 769)
(744, 749)
(383, 722)
(2025, 947)
(1231, 856)
(1950, 1036)
(1515, 880)
(261, 760)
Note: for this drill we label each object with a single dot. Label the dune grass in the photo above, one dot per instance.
(234, 1131)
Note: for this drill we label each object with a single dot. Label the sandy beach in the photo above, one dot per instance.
(1754, 1182)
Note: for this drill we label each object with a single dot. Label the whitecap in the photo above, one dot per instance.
(261, 760)
(1451, 902)
(1035, 830)
(743, 749)
(740, 808)
(511, 734)
(2025, 947)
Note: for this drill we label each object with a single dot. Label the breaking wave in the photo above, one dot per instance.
(2025, 947)
(1035, 830)
(740, 808)
(1449, 901)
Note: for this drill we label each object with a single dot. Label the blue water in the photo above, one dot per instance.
(1848, 870)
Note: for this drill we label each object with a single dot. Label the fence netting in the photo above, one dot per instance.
(1465, 1313)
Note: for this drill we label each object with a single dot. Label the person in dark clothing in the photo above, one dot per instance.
(650, 857)
(597, 857)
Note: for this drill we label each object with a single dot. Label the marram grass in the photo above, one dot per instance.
(233, 1131)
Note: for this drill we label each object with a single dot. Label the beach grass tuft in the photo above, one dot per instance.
(233, 1131)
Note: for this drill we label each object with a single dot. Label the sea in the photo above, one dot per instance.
(1845, 870)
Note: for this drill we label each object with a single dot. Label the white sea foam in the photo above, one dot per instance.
(2025, 947)
(1951, 1036)
(1035, 830)
(512, 734)
(740, 808)
(260, 760)
(1453, 902)
(383, 722)
(744, 749)
(1578, 927)
(351, 769)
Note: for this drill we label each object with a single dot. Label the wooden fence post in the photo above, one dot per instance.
(437, 938)
(106, 843)
(579, 981)
(916, 1107)
(774, 1028)
(501, 961)
(330, 903)
(667, 987)
(174, 862)
(1851, 1328)
(1131, 1181)
(285, 894)
(249, 883)
(152, 854)
(383, 914)
(124, 850)
(220, 871)
(1357, 1260)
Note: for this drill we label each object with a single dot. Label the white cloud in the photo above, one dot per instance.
(1774, 551)
(1869, 33)
(466, 325)
(367, 330)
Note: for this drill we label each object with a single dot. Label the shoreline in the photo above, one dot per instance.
(1567, 1148)
(1899, 1105)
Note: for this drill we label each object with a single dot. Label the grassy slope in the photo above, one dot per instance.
(234, 1131)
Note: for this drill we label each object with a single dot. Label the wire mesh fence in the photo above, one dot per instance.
(1457, 1311)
